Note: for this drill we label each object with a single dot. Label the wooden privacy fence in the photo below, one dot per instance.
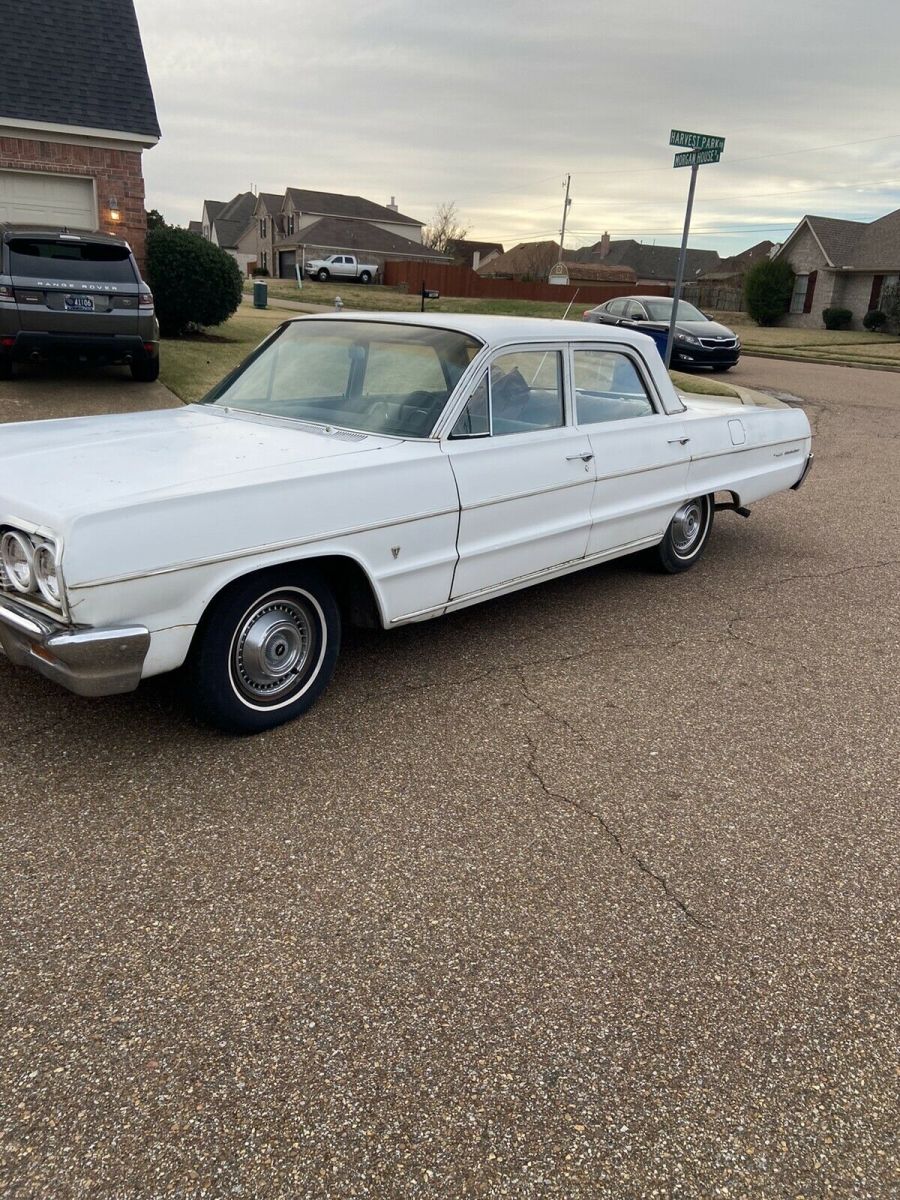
(464, 282)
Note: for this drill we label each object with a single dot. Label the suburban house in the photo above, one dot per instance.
(279, 231)
(533, 261)
(651, 264)
(841, 264)
(467, 253)
(229, 222)
(76, 114)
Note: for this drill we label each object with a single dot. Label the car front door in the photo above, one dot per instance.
(525, 476)
(641, 453)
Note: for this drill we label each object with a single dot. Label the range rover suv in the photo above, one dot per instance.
(78, 296)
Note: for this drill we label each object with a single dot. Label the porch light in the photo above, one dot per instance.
(114, 213)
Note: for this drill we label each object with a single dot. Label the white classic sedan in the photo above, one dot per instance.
(373, 468)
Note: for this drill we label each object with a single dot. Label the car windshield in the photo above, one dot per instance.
(661, 310)
(369, 376)
(73, 260)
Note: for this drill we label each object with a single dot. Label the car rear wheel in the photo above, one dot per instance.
(145, 370)
(322, 275)
(685, 539)
(365, 277)
(265, 650)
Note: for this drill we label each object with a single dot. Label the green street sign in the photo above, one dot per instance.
(696, 141)
(700, 157)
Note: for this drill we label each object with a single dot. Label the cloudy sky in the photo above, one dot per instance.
(490, 104)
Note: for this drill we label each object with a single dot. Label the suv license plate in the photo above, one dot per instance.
(80, 303)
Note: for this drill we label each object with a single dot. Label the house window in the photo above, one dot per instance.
(798, 299)
(290, 224)
(262, 227)
(264, 257)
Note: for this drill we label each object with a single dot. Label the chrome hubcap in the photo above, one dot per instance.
(272, 648)
(687, 527)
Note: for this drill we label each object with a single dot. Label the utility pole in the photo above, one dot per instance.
(566, 203)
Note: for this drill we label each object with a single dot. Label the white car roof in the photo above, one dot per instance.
(496, 329)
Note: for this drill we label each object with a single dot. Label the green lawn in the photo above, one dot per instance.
(190, 366)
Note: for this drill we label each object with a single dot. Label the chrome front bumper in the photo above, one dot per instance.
(89, 662)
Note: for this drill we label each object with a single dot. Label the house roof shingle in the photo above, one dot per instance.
(76, 62)
(650, 262)
(869, 247)
(333, 204)
(233, 218)
(358, 236)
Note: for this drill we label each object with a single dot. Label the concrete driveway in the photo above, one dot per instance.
(44, 391)
(590, 892)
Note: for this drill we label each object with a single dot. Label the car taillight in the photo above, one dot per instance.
(145, 301)
(6, 293)
(7, 342)
(586, 315)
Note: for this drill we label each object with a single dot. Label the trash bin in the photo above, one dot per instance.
(260, 293)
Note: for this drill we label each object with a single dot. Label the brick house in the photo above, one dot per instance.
(281, 230)
(841, 264)
(76, 114)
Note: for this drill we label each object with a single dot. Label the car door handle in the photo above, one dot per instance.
(683, 441)
(586, 457)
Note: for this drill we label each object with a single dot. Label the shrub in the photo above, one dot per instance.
(194, 282)
(837, 318)
(875, 320)
(260, 272)
(767, 290)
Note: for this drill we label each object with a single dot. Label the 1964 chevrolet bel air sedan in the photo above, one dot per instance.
(378, 468)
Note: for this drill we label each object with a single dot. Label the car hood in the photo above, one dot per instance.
(705, 329)
(53, 471)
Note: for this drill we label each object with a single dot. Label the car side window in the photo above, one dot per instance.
(633, 309)
(616, 308)
(521, 393)
(608, 388)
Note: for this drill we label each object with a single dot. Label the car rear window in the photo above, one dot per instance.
(88, 261)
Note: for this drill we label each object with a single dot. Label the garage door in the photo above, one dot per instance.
(287, 262)
(28, 197)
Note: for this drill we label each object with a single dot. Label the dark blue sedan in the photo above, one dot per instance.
(699, 342)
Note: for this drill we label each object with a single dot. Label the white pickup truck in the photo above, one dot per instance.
(341, 266)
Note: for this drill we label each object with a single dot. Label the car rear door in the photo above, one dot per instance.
(68, 284)
(524, 474)
(641, 453)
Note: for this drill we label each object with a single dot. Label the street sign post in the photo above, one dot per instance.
(702, 148)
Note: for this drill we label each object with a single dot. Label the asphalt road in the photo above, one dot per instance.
(589, 892)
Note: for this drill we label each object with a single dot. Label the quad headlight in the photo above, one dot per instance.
(17, 556)
(30, 565)
(46, 573)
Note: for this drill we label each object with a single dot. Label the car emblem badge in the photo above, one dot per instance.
(395, 550)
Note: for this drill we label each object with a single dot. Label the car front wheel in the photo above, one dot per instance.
(685, 539)
(322, 275)
(265, 650)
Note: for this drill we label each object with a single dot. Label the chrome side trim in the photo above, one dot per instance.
(89, 662)
(267, 548)
(727, 451)
(563, 568)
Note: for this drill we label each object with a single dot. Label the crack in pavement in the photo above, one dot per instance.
(594, 814)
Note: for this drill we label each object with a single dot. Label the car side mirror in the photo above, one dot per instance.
(636, 317)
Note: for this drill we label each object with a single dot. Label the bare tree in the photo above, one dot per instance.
(536, 260)
(445, 228)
